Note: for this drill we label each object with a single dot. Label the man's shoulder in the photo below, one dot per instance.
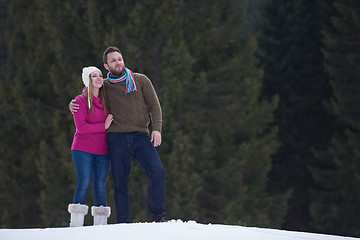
(140, 75)
(141, 78)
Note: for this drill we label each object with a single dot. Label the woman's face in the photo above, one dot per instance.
(96, 79)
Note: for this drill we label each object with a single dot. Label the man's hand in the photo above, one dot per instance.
(73, 107)
(156, 138)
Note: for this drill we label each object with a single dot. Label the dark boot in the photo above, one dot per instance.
(159, 218)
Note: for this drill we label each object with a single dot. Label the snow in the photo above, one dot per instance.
(173, 230)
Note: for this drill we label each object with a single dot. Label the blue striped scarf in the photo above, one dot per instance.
(130, 81)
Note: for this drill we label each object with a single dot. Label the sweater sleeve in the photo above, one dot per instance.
(82, 126)
(153, 104)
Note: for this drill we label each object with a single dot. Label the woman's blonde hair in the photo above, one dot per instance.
(101, 95)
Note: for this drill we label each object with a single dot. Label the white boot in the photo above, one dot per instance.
(78, 212)
(100, 214)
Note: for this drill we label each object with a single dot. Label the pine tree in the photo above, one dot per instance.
(290, 43)
(217, 134)
(19, 183)
(237, 120)
(335, 207)
(180, 155)
(37, 113)
(60, 83)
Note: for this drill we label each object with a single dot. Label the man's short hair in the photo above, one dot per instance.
(110, 50)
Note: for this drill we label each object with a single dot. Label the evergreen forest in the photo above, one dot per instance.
(260, 103)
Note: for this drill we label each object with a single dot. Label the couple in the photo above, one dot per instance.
(112, 118)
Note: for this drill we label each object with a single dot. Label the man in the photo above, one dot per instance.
(132, 101)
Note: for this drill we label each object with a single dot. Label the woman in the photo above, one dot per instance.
(89, 149)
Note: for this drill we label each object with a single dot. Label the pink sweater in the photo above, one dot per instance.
(90, 135)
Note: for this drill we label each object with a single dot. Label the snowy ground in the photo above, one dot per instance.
(173, 230)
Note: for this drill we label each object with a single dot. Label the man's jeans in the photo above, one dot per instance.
(123, 146)
(89, 166)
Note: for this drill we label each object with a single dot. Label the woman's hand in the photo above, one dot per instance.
(108, 121)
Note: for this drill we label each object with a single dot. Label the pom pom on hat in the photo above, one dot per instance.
(86, 71)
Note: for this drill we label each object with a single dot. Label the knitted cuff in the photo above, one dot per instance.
(78, 208)
(157, 126)
(100, 211)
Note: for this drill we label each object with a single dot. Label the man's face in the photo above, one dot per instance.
(115, 63)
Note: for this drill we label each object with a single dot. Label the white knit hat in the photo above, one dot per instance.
(86, 78)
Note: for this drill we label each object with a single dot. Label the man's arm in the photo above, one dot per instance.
(154, 108)
(153, 104)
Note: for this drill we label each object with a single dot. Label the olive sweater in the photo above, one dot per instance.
(133, 111)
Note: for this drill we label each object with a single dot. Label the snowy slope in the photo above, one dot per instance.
(174, 230)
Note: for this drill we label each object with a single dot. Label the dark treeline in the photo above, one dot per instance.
(260, 106)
